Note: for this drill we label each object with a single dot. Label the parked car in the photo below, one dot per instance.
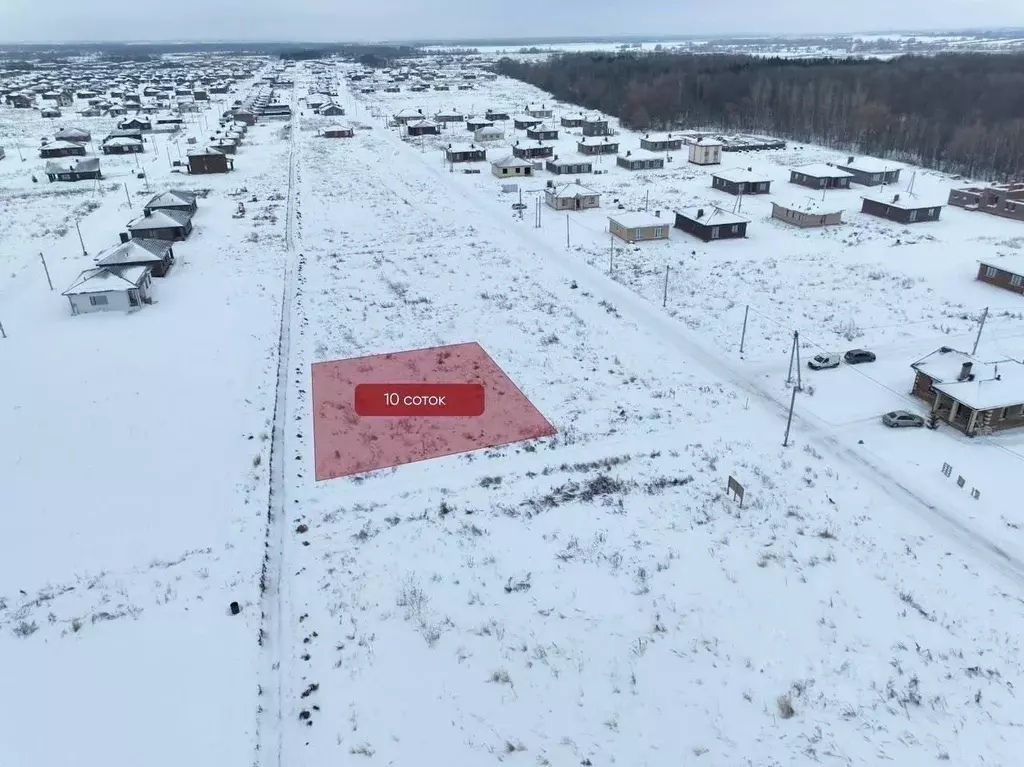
(857, 356)
(898, 418)
(823, 361)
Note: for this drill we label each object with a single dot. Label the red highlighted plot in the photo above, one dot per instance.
(390, 409)
(433, 399)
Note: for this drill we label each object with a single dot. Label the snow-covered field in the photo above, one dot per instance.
(595, 597)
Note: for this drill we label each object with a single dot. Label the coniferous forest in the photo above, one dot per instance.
(959, 113)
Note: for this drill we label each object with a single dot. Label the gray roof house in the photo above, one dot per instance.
(107, 288)
(173, 199)
(172, 225)
(156, 254)
(85, 169)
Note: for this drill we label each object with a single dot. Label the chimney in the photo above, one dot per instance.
(124, 237)
(965, 371)
(700, 212)
(147, 212)
(849, 160)
(657, 214)
(895, 198)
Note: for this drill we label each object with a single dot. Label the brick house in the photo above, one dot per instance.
(1006, 272)
(1004, 200)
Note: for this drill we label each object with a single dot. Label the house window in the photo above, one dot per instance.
(714, 232)
(734, 228)
(98, 301)
(933, 212)
(991, 271)
(1017, 280)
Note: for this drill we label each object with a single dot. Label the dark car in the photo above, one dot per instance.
(857, 356)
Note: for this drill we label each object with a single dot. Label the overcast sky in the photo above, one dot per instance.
(331, 20)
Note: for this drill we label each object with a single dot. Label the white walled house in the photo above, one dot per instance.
(707, 151)
(110, 288)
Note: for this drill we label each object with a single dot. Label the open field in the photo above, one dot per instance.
(593, 597)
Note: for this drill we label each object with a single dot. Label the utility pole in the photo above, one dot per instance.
(984, 317)
(127, 196)
(789, 420)
(743, 335)
(794, 356)
(3, 333)
(611, 252)
(566, 230)
(647, 199)
(80, 240)
(664, 296)
(46, 269)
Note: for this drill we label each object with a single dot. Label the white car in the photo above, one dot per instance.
(823, 361)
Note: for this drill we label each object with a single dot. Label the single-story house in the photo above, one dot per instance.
(904, 208)
(244, 116)
(473, 124)
(331, 110)
(971, 395)
(713, 224)
(562, 167)
(706, 151)
(405, 116)
(870, 171)
(490, 133)
(135, 123)
(464, 153)
(522, 123)
(594, 126)
(123, 146)
(110, 287)
(62, 149)
(1005, 272)
(209, 160)
(739, 181)
(538, 110)
(638, 227)
(531, 151)
(574, 120)
(449, 117)
(511, 166)
(542, 132)
(572, 197)
(132, 134)
(496, 115)
(807, 213)
(170, 225)
(1005, 200)
(640, 159)
(50, 112)
(592, 145)
(174, 199)
(74, 135)
(820, 176)
(658, 143)
(317, 100)
(158, 255)
(83, 170)
(423, 128)
(338, 131)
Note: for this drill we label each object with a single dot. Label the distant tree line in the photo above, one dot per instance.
(959, 113)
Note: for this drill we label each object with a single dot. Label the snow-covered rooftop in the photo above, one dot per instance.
(103, 279)
(576, 190)
(135, 251)
(821, 170)
(872, 165)
(905, 200)
(637, 220)
(713, 216)
(512, 162)
(739, 176)
(995, 385)
(596, 141)
(811, 205)
(640, 154)
(160, 219)
(1012, 263)
(456, 148)
(709, 142)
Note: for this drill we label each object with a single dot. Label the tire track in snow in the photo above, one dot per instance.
(645, 315)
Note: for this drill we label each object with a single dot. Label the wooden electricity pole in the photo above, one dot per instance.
(977, 339)
(789, 420)
(743, 335)
(664, 295)
(46, 269)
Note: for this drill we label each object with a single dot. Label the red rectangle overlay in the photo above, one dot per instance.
(419, 399)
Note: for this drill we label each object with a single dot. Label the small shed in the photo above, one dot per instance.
(170, 225)
(807, 213)
(706, 151)
(820, 176)
(740, 181)
(106, 288)
(338, 131)
(638, 227)
(542, 132)
(572, 197)
(1006, 272)
(711, 223)
(561, 166)
(511, 166)
(870, 171)
(174, 199)
(592, 145)
(158, 255)
(423, 128)
(640, 159)
(464, 153)
(82, 170)
(902, 207)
